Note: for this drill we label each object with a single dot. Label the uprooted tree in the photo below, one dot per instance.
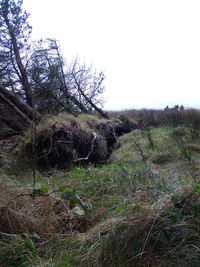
(36, 73)
(62, 142)
(34, 81)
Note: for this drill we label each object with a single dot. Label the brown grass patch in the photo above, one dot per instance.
(148, 237)
(46, 215)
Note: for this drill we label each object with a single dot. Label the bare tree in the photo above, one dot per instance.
(87, 86)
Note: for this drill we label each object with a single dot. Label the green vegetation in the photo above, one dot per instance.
(141, 208)
(78, 190)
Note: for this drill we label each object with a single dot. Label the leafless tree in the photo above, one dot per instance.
(87, 86)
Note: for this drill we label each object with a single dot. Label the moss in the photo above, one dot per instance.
(90, 119)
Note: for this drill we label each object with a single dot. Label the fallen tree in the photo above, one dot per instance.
(25, 111)
(62, 143)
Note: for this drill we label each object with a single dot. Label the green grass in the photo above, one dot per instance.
(125, 193)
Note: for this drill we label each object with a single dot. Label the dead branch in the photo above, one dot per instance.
(91, 150)
(99, 110)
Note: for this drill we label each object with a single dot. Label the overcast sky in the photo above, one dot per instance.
(149, 50)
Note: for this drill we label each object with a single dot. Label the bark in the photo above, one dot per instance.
(12, 124)
(18, 105)
(16, 109)
(74, 100)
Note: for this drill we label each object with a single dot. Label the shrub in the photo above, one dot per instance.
(191, 119)
(147, 133)
(181, 138)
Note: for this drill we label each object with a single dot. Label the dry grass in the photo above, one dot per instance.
(143, 213)
(148, 237)
(47, 215)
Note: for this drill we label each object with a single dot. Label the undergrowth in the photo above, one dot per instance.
(139, 209)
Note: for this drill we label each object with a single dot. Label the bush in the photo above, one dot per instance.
(181, 138)
(147, 133)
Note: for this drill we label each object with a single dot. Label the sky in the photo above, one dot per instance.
(149, 50)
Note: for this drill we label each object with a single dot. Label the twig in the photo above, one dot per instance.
(33, 148)
(150, 230)
(9, 235)
(144, 157)
(195, 247)
(49, 150)
(9, 222)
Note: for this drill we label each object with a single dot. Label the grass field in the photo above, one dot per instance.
(142, 208)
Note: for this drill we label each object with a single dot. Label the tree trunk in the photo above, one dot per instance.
(14, 101)
(64, 86)
(22, 70)
(74, 100)
(12, 124)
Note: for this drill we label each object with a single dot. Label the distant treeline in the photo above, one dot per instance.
(174, 116)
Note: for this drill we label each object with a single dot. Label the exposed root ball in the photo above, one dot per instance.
(108, 130)
(54, 148)
(61, 146)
